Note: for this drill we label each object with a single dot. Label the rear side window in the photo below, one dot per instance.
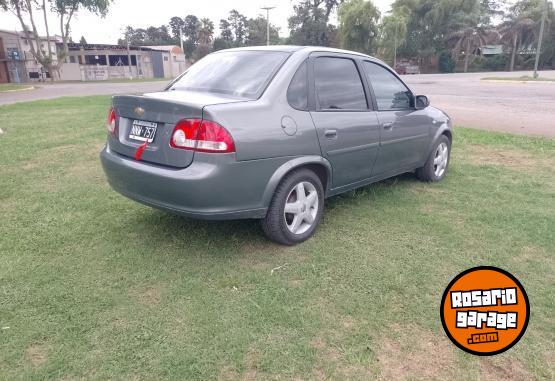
(242, 73)
(338, 84)
(297, 94)
(391, 94)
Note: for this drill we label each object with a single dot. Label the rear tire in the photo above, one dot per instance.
(437, 164)
(296, 208)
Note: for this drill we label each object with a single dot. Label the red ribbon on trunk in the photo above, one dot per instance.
(140, 151)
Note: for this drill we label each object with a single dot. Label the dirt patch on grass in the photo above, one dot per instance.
(228, 373)
(36, 354)
(148, 297)
(252, 360)
(415, 353)
(332, 364)
(532, 254)
(508, 369)
(511, 158)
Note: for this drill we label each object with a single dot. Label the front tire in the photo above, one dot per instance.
(296, 208)
(437, 164)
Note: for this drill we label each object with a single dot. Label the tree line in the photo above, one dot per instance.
(199, 34)
(443, 34)
(437, 34)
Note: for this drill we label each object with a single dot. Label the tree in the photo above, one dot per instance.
(221, 43)
(358, 29)
(257, 32)
(466, 35)
(176, 24)
(309, 23)
(393, 34)
(225, 30)
(521, 27)
(149, 36)
(468, 39)
(82, 41)
(205, 31)
(64, 10)
(191, 25)
(432, 24)
(239, 27)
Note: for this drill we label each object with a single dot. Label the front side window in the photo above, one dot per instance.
(241, 73)
(338, 84)
(297, 94)
(391, 94)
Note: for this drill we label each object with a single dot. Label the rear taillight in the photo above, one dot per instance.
(202, 136)
(111, 123)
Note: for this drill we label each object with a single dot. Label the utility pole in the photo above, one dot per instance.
(268, 9)
(129, 60)
(395, 48)
(540, 38)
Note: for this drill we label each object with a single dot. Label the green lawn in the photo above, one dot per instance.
(94, 286)
(524, 78)
(13, 86)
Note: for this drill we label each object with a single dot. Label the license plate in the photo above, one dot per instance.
(143, 131)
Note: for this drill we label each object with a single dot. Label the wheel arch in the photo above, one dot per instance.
(317, 164)
(444, 129)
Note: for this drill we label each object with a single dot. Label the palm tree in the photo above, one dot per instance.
(206, 31)
(468, 39)
(518, 32)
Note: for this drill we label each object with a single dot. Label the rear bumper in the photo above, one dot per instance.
(213, 187)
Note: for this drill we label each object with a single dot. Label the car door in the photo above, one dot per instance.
(347, 126)
(405, 131)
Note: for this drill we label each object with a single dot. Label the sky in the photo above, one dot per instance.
(140, 14)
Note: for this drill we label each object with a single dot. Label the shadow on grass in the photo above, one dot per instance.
(166, 226)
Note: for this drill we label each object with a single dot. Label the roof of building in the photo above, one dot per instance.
(77, 46)
(168, 48)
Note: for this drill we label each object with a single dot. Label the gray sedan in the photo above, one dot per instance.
(269, 133)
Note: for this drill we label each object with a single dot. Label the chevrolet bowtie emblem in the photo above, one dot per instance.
(139, 111)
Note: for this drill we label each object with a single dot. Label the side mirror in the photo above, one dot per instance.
(421, 102)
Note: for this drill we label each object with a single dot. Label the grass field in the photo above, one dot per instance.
(524, 78)
(4, 87)
(94, 286)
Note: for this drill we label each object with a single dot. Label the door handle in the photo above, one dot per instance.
(387, 126)
(330, 134)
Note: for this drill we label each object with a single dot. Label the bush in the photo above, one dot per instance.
(495, 63)
(446, 62)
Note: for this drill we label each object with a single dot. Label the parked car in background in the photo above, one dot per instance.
(406, 67)
(269, 133)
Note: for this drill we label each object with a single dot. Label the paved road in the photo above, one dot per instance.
(526, 108)
(72, 89)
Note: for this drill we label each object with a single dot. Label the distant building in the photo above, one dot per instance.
(174, 61)
(491, 50)
(89, 62)
(97, 62)
(17, 64)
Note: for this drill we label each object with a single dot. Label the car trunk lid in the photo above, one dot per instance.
(161, 111)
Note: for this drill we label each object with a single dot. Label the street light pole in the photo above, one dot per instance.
(268, 9)
(395, 48)
(129, 60)
(540, 38)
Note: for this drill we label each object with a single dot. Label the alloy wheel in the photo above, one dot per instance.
(301, 207)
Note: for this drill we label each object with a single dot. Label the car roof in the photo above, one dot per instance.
(295, 48)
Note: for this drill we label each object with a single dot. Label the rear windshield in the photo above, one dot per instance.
(241, 73)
